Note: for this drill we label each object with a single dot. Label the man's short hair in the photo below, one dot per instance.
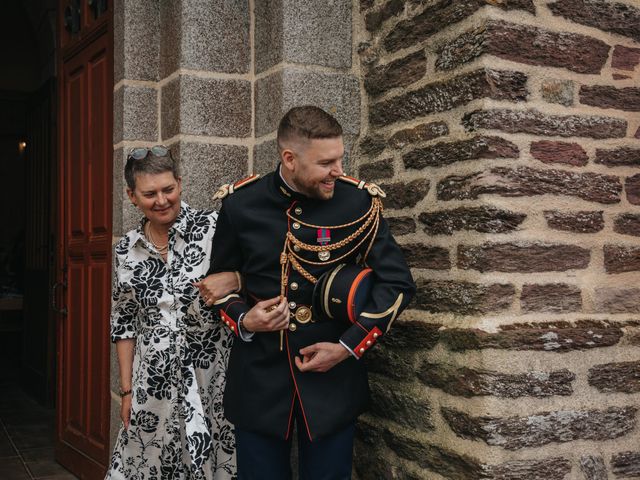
(307, 122)
(151, 164)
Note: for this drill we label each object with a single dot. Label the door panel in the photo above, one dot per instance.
(86, 69)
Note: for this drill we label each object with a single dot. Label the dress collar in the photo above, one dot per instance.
(179, 225)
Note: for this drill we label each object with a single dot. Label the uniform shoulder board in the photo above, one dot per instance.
(373, 189)
(229, 188)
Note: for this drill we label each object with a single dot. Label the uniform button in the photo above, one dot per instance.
(298, 211)
(292, 305)
(233, 329)
(296, 248)
(293, 286)
(361, 350)
(368, 343)
(293, 327)
(296, 225)
(375, 335)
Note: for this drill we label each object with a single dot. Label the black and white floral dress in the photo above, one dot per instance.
(177, 429)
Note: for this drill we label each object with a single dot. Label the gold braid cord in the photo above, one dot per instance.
(370, 222)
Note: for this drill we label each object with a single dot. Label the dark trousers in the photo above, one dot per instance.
(263, 457)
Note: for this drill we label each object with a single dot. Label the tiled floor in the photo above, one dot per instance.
(26, 438)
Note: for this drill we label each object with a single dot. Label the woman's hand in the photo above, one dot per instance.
(216, 286)
(125, 411)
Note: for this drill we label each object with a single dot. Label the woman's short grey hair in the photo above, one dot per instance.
(151, 164)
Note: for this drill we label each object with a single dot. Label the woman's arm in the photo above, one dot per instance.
(125, 350)
(218, 285)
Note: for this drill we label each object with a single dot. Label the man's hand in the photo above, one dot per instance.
(321, 357)
(216, 286)
(267, 316)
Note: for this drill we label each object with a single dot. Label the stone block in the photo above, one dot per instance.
(551, 297)
(522, 257)
(399, 73)
(404, 194)
(538, 123)
(632, 187)
(627, 224)
(265, 157)
(618, 157)
(446, 153)
(625, 58)
(374, 19)
(298, 31)
(614, 17)
(390, 363)
(479, 219)
(515, 433)
(462, 298)
(336, 93)
(626, 464)
(401, 225)
(439, 16)
(617, 300)
(616, 377)
(558, 91)
(376, 170)
(577, 222)
(119, 196)
(548, 151)
(554, 468)
(621, 258)
(412, 334)
(205, 167)
(525, 182)
(419, 255)
(205, 35)
(136, 40)
(525, 44)
(549, 337)
(135, 114)
(593, 467)
(421, 133)
(206, 106)
(603, 96)
(445, 95)
(400, 406)
(469, 382)
(372, 145)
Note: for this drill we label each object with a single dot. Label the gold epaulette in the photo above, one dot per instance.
(373, 189)
(229, 188)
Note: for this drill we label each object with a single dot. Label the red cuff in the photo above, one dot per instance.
(229, 322)
(367, 342)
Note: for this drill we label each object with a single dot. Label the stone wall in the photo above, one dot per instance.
(506, 136)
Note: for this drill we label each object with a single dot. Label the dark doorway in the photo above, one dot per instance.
(27, 207)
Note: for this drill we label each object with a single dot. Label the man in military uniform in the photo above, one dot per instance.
(291, 363)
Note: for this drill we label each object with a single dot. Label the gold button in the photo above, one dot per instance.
(293, 327)
(292, 305)
(375, 335)
(298, 210)
(233, 329)
(227, 322)
(296, 225)
(361, 350)
(296, 248)
(368, 343)
(293, 286)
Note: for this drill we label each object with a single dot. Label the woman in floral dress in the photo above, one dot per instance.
(172, 351)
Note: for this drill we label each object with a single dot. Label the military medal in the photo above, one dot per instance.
(324, 237)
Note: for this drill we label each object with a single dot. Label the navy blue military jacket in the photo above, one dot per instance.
(262, 379)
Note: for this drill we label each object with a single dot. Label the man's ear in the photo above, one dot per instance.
(287, 157)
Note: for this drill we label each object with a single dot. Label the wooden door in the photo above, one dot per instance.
(86, 91)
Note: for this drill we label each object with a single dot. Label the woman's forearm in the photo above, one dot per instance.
(125, 349)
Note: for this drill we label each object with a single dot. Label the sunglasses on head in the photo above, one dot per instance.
(138, 153)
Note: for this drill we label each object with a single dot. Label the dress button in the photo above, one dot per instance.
(368, 343)
(292, 305)
(293, 286)
(295, 225)
(298, 211)
(375, 335)
(293, 327)
(361, 350)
